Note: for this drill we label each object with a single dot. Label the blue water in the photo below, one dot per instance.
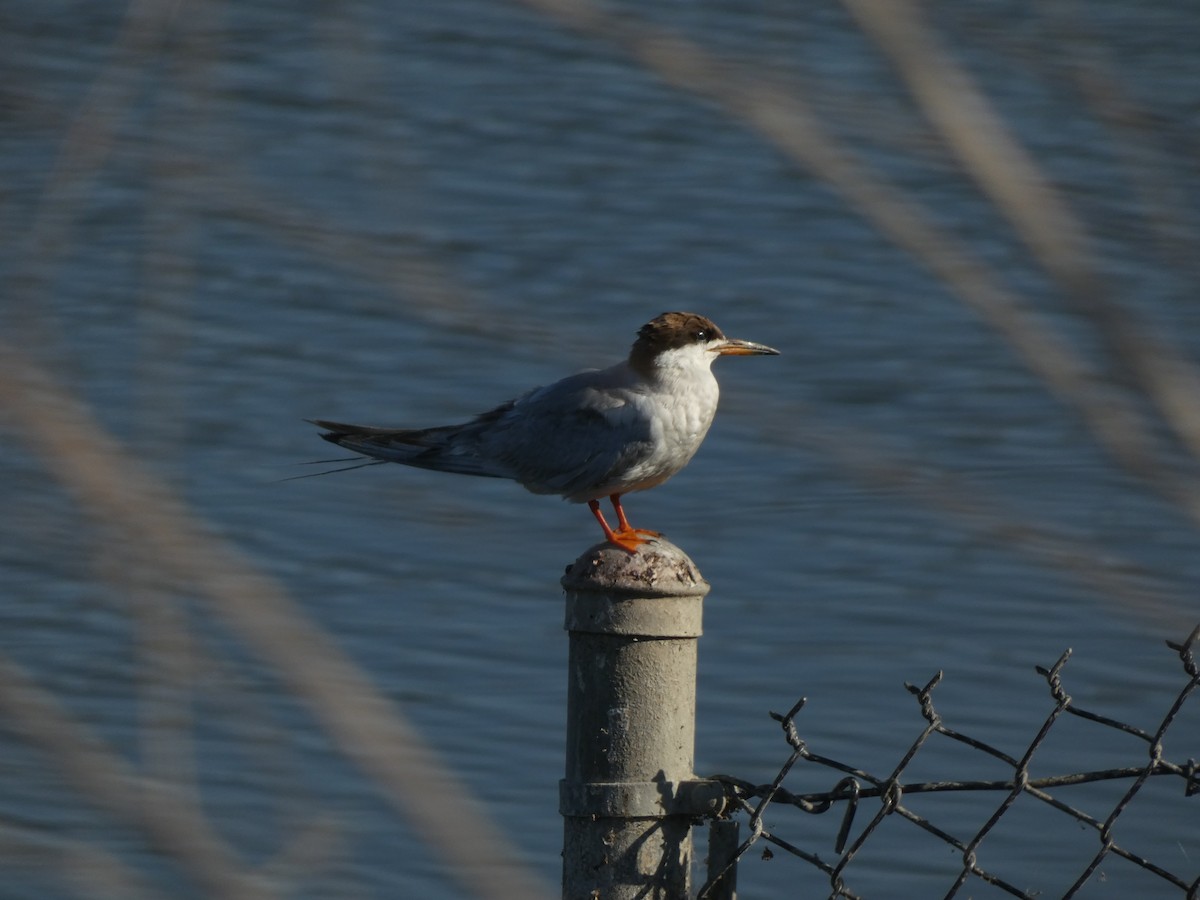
(219, 223)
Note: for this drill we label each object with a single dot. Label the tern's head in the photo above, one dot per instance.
(680, 340)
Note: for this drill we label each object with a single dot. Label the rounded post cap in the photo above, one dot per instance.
(657, 569)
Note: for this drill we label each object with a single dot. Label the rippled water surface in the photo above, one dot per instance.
(221, 219)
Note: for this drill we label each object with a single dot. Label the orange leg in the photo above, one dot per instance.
(623, 525)
(625, 537)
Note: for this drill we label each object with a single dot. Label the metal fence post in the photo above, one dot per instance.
(723, 843)
(629, 795)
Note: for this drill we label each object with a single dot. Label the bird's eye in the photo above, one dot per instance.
(700, 335)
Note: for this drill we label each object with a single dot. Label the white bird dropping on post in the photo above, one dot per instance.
(600, 433)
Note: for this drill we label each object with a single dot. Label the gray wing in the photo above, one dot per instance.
(566, 438)
(569, 437)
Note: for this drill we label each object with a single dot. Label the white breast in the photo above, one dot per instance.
(679, 406)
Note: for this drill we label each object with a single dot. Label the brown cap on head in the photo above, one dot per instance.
(669, 331)
(672, 330)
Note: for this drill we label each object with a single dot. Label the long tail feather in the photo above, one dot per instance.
(360, 465)
(447, 448)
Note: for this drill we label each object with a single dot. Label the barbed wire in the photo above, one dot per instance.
(858, 785)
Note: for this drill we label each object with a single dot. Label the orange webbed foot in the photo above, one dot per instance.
(626, 536)
(623, 526)
(631, 539)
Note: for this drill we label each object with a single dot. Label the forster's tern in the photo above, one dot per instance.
(601, 433)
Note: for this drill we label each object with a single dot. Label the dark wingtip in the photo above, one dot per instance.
(334, 431)
(329, 426)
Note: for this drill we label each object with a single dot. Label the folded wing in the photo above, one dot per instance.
(564, 439)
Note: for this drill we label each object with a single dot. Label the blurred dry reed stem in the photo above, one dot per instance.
(177, 550)
(991, 155)
(1118, 410)
(368, 729)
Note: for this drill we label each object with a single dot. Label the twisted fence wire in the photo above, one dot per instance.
(859, 785)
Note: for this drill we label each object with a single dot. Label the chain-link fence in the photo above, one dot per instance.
(858, 786)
